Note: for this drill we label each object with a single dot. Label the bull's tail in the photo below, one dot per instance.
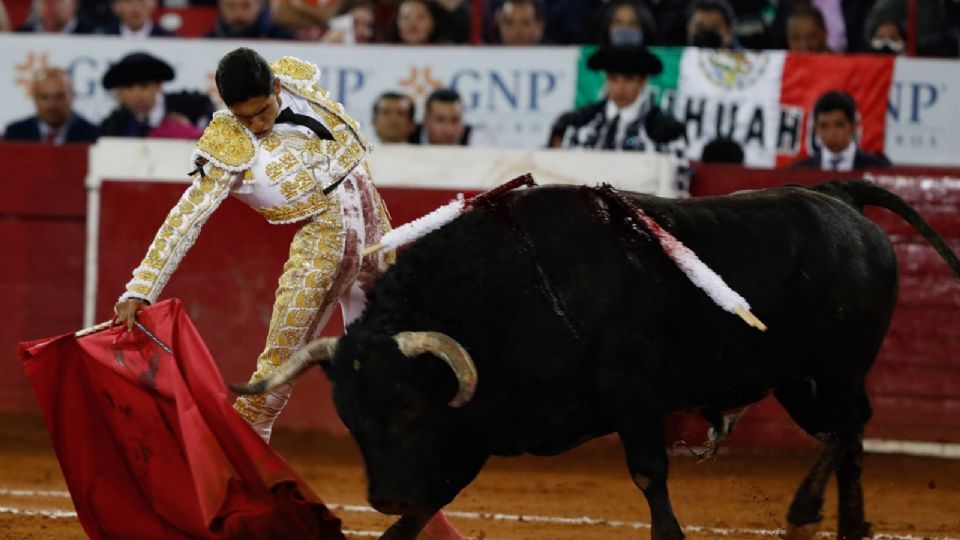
(315, 352)
(860, 193)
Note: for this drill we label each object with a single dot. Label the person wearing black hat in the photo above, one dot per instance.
(625, 119)
(143, 107)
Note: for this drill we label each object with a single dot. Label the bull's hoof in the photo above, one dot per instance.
(801, 532)
(858, 532)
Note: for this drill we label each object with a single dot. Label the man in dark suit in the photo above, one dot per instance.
(443, 123)
(61, 18)
(247, 19)
(55, 121)
(835, 123)
(134, 20)
(144, 110)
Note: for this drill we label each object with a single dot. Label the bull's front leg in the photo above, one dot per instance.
(645, 447)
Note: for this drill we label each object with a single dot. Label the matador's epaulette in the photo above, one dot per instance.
(226, 143)
(302, 77)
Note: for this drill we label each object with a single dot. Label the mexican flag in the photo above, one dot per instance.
(763, 100)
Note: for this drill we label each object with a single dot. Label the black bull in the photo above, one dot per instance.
(578, 325)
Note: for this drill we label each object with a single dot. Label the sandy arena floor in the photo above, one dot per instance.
(584, 494)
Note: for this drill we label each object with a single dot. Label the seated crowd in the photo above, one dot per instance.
(623, 120)
(800, 25)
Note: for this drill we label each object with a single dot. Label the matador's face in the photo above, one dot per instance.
(259, 113)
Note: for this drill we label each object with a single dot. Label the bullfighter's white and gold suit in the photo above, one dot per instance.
(290, 175)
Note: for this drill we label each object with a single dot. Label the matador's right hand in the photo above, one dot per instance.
(127, 310)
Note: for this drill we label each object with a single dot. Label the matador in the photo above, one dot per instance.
(291, 153)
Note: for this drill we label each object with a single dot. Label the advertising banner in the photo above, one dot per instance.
(923, 112)
(764, 101)
(734, 95)
(515, 96)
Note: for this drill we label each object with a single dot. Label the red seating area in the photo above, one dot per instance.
(194, 21)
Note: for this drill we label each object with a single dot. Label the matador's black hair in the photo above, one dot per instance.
(243, 74)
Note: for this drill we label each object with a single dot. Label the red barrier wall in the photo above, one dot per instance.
(227, 283)
(42, 230)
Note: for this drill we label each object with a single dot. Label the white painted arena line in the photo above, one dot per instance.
(518, 518)
(45, 512)
(44, 493)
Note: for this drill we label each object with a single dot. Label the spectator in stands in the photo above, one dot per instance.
(671, 19)
(722, 150)
(393, 117)
(421, 22)
(454, 20)
(572, 21)
(144, 110)
(4, 19)
(307, 19)
(842, 18)
(415, 23)
(520, 22)
(443, 123)
(55, 121)
(937, 35)
(751, 18)
(806, 30)
(246, 19)
(355, 23)
(710, 24)
(625, 119)
(835, 124)
(134, 20)
(627, 22)
(888, 38)
(61, 19)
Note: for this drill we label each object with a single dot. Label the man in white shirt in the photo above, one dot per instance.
(134, 20)
(835, 125)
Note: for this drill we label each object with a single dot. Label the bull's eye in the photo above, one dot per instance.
(356, 365)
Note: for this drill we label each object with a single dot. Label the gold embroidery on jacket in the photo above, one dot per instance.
(270, 143)
(294, 68)
(225, 140)
(302, 182)
(279, 168)
(285, 213)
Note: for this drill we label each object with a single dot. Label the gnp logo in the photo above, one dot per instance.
(487, 90)
(732, 70)
(508, 90)
(910, 101)
(343, 82)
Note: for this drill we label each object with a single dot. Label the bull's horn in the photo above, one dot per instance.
(416, 343)
(317, 351)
